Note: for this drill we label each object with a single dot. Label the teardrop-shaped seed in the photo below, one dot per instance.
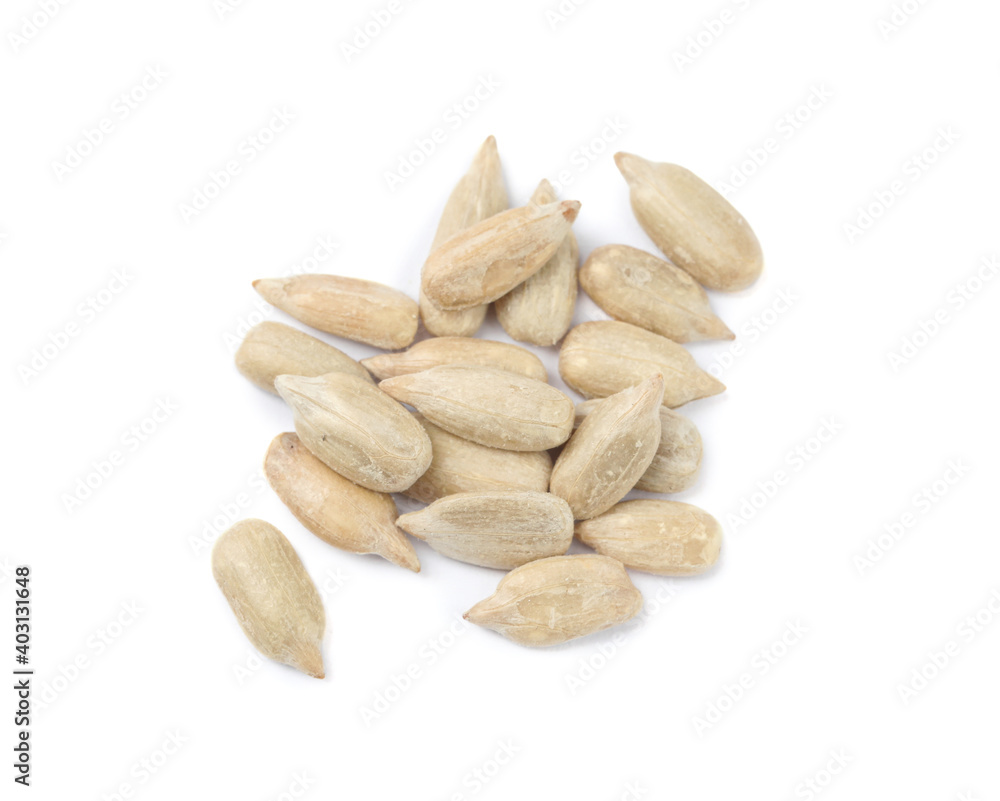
(357, 430)
(664, 537)
(492, 407)
(484, 262)
(694, 226)
(554, 600)
(352, 308)
(610, 450)
(272, 349)
(336, 510)
(270, 592)
(636, 287)
(677, 460)
(540, 310)
(601, 358)
(457, 350)
(459, 465)
(478, 195)
(501, 529)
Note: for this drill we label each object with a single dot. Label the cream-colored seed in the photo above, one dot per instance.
(554, 600)
(610, 450)
(601, 358)
(540, 310)
(459, 465)
(478, 195)
(677, 460)
(492, 407)
(357, 430)
(272, 349)
(352, 308)
(336, 510)
(484, 262)
(270, 592)
(457, 350)
(664, 537)
(636, 287)
(502, 529)
(694, 226)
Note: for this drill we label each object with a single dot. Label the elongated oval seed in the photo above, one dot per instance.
(601, 358)
(459, 465)
(636, 287)
(272, 596)
(486, 261)
(478, 195)
(694, 226)
(357, 430)
(336, 510)
(677, 460)
(610, 450)
(501, 529)
(348, 307)
(457, 350)
(540, 310)
(492, 407)
(558, 599)
(664, 537)
(272, 349)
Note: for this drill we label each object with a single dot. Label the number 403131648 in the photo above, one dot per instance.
(22, 612)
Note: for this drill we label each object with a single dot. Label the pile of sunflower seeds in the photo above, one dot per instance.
(511, 469)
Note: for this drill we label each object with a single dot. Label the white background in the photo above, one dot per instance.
(632, 727)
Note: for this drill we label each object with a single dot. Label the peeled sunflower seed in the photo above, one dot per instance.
(601, 358)
(502, 529)
(357, 430)
(664, 537)
(462, 466)
(678, 458)
(273, 349)
(457, 350)
(484, 262)
(610, 450)
(492, 407)
(636, 287)
(478, 195)
(336, 510)
(554, 600)
(540, 310)
(694, 226)
(272, 596)
(348, 307)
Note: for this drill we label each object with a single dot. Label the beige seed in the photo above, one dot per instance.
(540, 310)
(273, 349)
(492, 407)
(636, 287)
(678, 458)
(610, 450)
(357, 430)
(336, 510)
(694, 226)
(601, 358)
(551, 601)
(478, 195)
(272, 596)
(502, 529)
(348, 307)
(457, 350)
(462, 466)
(664, 537)
(484, 262)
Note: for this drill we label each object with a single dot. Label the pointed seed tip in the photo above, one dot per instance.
(571, 208)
